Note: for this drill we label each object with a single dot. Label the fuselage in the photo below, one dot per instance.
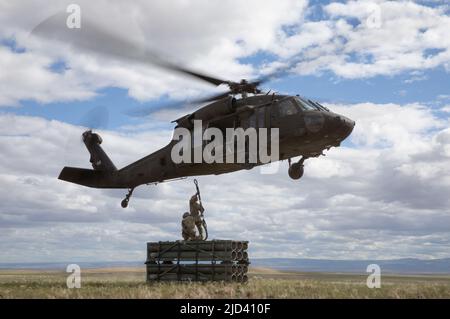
(306, 129)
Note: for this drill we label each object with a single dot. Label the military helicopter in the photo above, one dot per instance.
(306, 129)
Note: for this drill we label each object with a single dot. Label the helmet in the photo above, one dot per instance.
(185, 215)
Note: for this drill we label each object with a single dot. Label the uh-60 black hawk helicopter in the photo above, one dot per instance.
(306, 129)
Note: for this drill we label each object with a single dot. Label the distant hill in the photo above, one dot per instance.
(63, 265)
(398, 266)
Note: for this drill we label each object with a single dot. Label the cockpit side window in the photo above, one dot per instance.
(305, 105)
(318, 105)
(287, 107)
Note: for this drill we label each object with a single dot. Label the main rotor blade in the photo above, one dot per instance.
(94, 38)
(146, 111)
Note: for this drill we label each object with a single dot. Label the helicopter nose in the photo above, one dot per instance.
(346, 126)
(340, 126)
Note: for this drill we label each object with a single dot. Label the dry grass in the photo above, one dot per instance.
(263, 283)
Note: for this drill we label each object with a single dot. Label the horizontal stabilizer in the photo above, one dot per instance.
(92, 178)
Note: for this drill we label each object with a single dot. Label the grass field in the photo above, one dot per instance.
(263, 283)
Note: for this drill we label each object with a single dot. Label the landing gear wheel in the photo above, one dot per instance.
(296, 171)
(124, 203)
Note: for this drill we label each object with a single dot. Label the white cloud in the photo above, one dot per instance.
(213, 37)
(391, 125)
(27, 76)
(384, 197)
(210, 38)
(405, 36)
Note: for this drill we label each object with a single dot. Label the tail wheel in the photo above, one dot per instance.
(124, 203)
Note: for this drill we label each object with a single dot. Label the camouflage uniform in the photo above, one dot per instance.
(188, 227)
(196, 210)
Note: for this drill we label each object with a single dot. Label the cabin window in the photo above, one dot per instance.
(287, 107)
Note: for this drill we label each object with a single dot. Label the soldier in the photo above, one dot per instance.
(197, 210)
(188, 227)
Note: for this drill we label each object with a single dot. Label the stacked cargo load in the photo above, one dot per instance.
(212, 260)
